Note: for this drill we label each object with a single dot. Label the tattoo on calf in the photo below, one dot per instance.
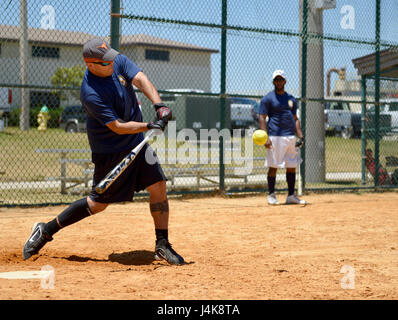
(159, 206)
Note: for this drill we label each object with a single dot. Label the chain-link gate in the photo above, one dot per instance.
(212, 62)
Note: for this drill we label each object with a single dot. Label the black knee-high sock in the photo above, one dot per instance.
(291, 181)
(162, 234)
(271, 184)
(77, 211)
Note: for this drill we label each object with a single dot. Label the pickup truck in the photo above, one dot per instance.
(390, 107)
(384, 123)
(242, 113)
(338, 119)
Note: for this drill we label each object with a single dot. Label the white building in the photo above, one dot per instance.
(169, 64)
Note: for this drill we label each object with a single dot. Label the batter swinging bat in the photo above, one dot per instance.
(106, 182)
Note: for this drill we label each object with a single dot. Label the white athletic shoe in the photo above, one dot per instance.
(293, 199)
(272, 199)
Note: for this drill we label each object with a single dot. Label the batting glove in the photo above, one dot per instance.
(162, 111)
(300, 142)
(157, 124)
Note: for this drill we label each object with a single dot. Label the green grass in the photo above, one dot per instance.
(20, 162)
(344, 155)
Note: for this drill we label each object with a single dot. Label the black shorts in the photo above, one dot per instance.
(138, 175)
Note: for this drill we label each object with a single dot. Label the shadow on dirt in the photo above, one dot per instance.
(82, 259)
(133, 258)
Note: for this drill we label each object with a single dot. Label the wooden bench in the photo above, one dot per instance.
(172, 171)
(209, 174)
(64, 160)
(199, 172)
(391, 161)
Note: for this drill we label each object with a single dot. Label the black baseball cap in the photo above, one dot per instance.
(98, 49)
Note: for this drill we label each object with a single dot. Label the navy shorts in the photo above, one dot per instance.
(138, 175)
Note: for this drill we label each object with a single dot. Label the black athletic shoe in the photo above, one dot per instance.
(36, 241)
(164, 251)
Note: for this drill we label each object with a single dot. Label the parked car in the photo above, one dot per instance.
(384, 123)
(73, 119)
(338, 119)
(5, 107)
(243, 114)
(390, 107)
(356, 123)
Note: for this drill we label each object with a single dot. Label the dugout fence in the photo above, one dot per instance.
(212, 62)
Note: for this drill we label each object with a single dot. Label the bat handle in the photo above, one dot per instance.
(155, 132)
(149, 134)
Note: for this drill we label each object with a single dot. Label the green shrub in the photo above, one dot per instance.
(53, 122)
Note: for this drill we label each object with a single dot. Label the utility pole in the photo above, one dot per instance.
(313, 82)
(23, 66)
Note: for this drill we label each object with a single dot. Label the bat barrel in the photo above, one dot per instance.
(106, 182)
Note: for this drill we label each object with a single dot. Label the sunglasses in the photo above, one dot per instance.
(104, 64)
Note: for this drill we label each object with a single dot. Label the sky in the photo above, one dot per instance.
(251, 57)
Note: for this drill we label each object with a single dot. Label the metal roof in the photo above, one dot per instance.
(388, 64)
(74, 38)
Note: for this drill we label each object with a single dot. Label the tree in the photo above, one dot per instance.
(71, 77)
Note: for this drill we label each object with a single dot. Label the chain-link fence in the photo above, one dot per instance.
(212, 62)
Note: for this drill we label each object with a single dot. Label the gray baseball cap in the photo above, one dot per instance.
(99, 49)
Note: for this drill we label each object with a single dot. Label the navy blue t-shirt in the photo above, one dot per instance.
(280, 110)
(106, 100)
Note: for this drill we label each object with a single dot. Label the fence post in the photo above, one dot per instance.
(24, 118)
(363, 128)
(222, 91)
(377, 94)
(304, 36)
(115, 24)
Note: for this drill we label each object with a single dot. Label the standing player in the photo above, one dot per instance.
(283, 125)
(114, 127)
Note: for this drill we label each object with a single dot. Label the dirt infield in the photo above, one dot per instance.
(340, 246)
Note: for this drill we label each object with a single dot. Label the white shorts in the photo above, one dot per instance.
(283, 153)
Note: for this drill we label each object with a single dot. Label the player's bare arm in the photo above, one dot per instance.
(299, 133)
(120, 126)
(263, 126)
(143, 84)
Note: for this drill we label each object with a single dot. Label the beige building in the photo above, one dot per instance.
(169, 64)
